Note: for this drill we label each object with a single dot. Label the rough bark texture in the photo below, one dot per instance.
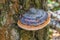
(9, 29)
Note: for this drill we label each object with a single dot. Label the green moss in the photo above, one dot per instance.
(1, 5)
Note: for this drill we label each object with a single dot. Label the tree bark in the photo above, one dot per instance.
(9, 29)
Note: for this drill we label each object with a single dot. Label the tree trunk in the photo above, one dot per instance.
(9, 29)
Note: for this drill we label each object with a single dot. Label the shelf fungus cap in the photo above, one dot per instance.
(31, 23)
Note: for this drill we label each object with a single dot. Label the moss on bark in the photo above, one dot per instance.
(11, 31)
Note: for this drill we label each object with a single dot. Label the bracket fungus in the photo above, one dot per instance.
(34, 19)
